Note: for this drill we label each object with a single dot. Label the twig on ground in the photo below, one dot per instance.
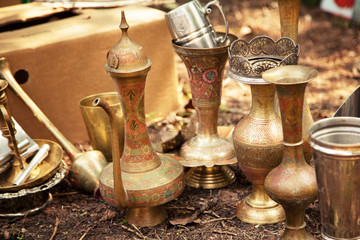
(133, 231)
(57, 221)
(64, 194)
(224, 232)
(87, 230)
(217, 219)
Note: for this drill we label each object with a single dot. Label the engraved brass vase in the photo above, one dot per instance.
(258, 136)
(207, 153)
(141, 180)
(336, 148)
(293, 183)
(289, 21)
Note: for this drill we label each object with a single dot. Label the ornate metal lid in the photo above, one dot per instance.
(248, 60)
(126, 56)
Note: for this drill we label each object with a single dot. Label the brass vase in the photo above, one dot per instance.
(289, 21)
(258, 136)
(141, 180)
(207, 153)
(293, 182)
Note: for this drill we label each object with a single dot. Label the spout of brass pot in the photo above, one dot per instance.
(121, 198)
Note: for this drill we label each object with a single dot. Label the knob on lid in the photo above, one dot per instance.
(126, 56)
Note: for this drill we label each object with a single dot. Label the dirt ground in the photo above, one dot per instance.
(327, 45)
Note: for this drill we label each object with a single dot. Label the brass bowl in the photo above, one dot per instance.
(48, 167)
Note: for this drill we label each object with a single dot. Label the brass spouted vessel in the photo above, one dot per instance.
(293, 183)
(141, 180)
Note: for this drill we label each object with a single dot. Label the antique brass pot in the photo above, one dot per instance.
(293, 182)
(207, 149)
(141, 180)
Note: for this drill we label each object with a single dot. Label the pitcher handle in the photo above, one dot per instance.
(208, 10)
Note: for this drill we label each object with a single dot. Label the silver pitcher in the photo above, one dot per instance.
(335, 143)
(190, 27)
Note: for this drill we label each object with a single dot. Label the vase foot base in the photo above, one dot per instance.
(209, 177)
(253, 215)
(147, 216)
(296, 234)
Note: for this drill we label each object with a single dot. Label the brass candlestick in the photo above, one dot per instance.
(207, 153)
(293, 182)
(289, 21)
(142, 180)
(258, 136)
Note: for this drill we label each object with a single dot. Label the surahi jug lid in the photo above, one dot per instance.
(126, 56)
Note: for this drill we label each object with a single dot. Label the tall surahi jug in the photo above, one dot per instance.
(289, 21)
(293, 182)
(141, 180)
(336, 148)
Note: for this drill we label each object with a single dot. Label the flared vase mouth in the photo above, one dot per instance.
(336, 136)
(248, 60)
(290, 75)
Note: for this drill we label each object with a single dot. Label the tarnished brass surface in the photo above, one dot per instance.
(209, 178)
(97, 122)
(258, 146)
(205, 68)
(139, 180)
(86, 167)
(293, 182)
(46, 169)
(336, 147)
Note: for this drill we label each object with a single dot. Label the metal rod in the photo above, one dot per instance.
(36, 160)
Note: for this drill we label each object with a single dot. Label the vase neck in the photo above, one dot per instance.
(291, 100)
(289, 18)
(138, 154)
(262, 104)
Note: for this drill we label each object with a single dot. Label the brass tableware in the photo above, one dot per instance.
(289, 21)
(141, 180)
(30, 200)
(207, 149)
(258, 136)
(86, 166)
(335, 144)
(97, 122)
(293, 183)
(46, 169)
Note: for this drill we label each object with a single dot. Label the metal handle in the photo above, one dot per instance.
(208, 10)
(5, 73)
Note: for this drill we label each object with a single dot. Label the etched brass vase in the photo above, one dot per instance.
(141, 180)
(207, 153)
(289, 21)
(258, 136)
(293, 182)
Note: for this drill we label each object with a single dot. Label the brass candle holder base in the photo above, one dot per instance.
(209, 177)
(147, 216)
(256, 215)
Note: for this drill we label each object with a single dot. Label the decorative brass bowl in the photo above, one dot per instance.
(47, 169)
(31, 200)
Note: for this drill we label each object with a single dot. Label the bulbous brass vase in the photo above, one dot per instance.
(207, 153)
(293, 183)
(258, 136)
